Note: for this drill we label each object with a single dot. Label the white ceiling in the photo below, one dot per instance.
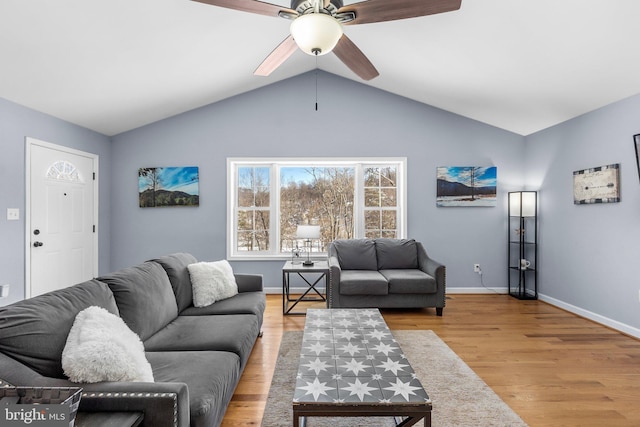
(114, 65)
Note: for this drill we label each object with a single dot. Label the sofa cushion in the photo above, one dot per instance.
(236, 333)
(100, 347)
(396, 253)
(410, 281)
(211, 377)
(144, 296)
(176, 267)
(211, 282)
(243, 303)
(356, 254)
(363, 282)
(34, 331)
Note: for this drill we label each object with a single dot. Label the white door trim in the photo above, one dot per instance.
(29, 143)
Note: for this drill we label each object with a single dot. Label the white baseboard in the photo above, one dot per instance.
(613, 324)
(483, 290)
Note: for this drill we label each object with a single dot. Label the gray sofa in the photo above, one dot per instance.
(197, 354)
(384, 273)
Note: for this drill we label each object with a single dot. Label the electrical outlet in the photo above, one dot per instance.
(476, 268)
(13, 214)
(4, 291)
(639, 295)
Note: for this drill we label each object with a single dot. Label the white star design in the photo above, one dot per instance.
(354, 366)
(341, 313)
(351, 349)
(359, 389)
(383, 348)
(318, 322)
(372, 322)
(403, 389)
(377, 334)
(346, 334)
(344, 323)
(392, 366)
(318, 334)
(317, 365)
(316, 388)
(317, 348)
(368, 313)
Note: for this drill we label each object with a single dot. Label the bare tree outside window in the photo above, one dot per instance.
(253, 212)
(321, 196)
(380, 201)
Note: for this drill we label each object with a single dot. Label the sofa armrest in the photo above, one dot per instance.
(249, 282)
(163, 404)
(434, 269)
(334, 280)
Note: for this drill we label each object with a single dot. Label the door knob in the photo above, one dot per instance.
(37, 244)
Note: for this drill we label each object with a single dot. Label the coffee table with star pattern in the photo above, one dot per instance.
(351, 366)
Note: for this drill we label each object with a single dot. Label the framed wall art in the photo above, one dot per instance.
(466, 186)
(597, 185)
(168, 186)
(636, 143)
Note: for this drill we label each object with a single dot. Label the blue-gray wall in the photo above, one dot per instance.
(17, 123)
(588, 253)
(280, 120)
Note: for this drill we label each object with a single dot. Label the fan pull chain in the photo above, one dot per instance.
(316, 80)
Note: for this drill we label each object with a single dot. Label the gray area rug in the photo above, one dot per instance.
(460, 398)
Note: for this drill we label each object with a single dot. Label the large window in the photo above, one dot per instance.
(353, 198)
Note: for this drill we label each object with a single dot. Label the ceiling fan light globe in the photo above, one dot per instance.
(316, 33)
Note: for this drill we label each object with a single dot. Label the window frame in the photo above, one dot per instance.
(274, 164)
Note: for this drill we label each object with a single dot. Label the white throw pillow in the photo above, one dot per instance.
(101, 347)
(211, 282)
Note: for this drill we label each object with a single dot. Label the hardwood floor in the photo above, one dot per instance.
(551, 367)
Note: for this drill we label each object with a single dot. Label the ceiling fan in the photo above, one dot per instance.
(316, 26)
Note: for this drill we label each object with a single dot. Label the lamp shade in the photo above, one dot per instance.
(316, 33)
(522, 203)
(308, 232)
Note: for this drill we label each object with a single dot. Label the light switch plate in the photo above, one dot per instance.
(13, 214)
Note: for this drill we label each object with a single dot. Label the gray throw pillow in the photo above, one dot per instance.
(356, 254)
(144, 296)
(396, 253)
(176, 267)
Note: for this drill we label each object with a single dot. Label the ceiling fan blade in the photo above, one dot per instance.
(353, 58)
(252, 6)
(384, 10)
(277, 57)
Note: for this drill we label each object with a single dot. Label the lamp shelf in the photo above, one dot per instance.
(522, 269)
(522, 244)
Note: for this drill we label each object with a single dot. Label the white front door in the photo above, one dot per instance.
(61, 217)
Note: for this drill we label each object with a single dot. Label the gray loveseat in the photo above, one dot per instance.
(384, 273)
(197, 354)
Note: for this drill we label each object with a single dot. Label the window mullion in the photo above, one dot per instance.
(274, 201)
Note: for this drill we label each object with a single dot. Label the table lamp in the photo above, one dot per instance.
(308, 232)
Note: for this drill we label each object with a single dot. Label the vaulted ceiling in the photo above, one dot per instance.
(520, 65)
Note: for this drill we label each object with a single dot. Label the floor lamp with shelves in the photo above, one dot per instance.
(523, 244)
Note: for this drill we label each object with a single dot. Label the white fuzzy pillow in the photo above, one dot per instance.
(101, 347)
(211, 282)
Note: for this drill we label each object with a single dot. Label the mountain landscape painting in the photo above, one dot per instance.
(466, 186)
(168, 186)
